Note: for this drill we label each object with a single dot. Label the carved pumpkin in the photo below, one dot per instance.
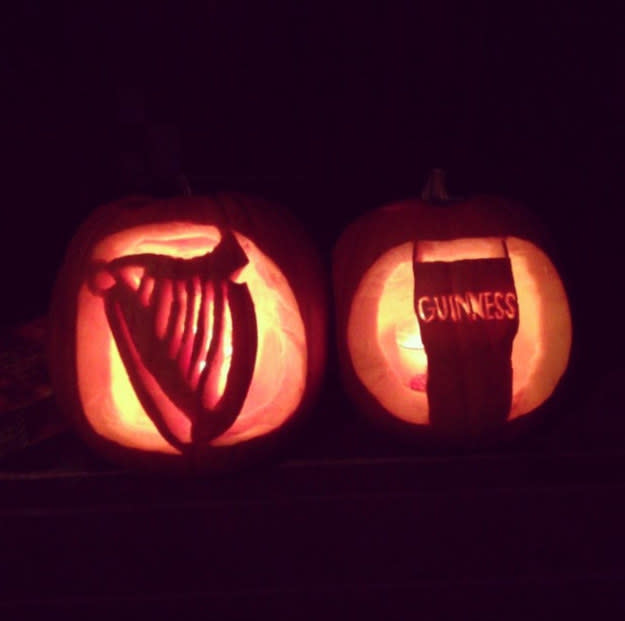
(451, 317)
(188, 331)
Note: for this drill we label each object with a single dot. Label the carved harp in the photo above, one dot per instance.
(171, 321)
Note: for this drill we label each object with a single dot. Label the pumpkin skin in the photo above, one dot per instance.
(188, 333)
(415, 356)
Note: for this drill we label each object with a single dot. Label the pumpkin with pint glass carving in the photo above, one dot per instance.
(188, 332)
(451, 317)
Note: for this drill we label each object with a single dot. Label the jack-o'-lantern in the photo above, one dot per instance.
(188, 332)
(452, 320)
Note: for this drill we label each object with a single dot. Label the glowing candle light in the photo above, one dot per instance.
(412, 357)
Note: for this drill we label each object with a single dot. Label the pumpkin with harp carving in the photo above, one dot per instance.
(452, 320)
(188, 332)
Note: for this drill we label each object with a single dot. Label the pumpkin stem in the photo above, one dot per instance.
(434, 190)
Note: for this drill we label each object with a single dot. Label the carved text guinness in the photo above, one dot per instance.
(470, 306)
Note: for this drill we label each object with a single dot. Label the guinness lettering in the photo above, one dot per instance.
(470, 306)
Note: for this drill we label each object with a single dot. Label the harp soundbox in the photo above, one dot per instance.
(187, 335)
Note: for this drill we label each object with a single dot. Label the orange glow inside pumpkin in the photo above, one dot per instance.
(384, 339)
(279, 376)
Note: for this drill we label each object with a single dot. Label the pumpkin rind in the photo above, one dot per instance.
(288, 263)
(374, 285)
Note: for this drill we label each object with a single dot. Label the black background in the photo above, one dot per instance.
(332, 108)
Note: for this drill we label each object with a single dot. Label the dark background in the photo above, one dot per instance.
(332, 108)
